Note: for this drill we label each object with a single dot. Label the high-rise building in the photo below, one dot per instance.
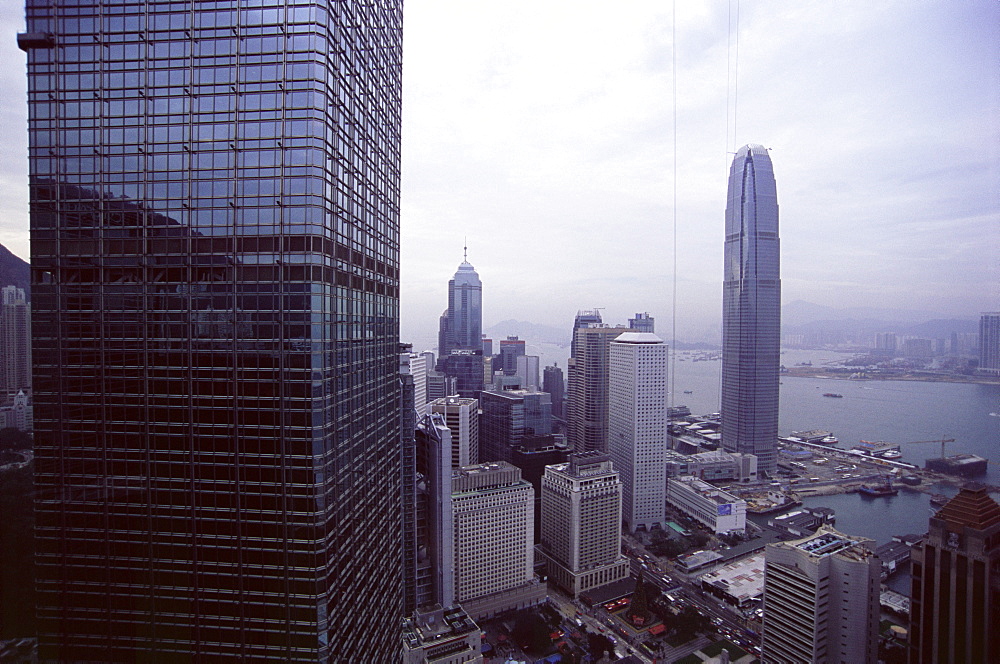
(581, 523)
(751, 310)
(461, 415)
(587, 395)
(511, 348)
(584, 318)
(415, 365)
(821, 600)
(494, 542)
(989, 343)
(885, 344)
(955, 582)
(508, 416)
(637, 432)
(554, 383)
(527, 369)
(430, 560)
(460, 337)
(214, 198)
(15, 342)
(642, 322)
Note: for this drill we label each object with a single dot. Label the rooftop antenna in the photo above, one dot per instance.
(465, 250)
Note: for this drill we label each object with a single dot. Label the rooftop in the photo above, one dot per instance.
(972, 507)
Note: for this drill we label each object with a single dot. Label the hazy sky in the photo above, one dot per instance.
(542, 131)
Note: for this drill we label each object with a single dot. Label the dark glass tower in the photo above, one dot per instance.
(215, 236)
(751, 310)
(460, 336)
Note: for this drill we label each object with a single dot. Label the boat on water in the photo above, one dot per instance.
(688, 392)
(830, 440)
(833, 395)
(890, 454)
(938, 500)
(883, 488)
(877, 491)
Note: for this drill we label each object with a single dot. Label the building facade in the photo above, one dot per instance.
(442, 635)
(821, 600)
(751, 310)
(461, 415)
(719, 510)
(511, 348)
(989, 343)
(554, 383)
(637, 433)
(15, 342)
(642, 322)
(214, 199)
(510, 415)
(494, 543)
(955, 582)
(527, 371)
(587, 397)
(581, 523)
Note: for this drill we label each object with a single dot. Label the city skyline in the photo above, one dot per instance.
(521, 134)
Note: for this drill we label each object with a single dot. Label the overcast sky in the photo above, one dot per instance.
(543, 132)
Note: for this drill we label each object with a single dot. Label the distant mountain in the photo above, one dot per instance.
(861, 324)
(14, 271)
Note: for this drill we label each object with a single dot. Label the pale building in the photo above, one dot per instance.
(461, 415)
(494, 518)
(581, 523)
(637, 440)
(989, 343)
(439, 635)
(415, 364)
(821, 600)
(716, 509)
(527, 371)
(15, 341)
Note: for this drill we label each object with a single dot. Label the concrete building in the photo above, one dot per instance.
(18, 415)
(740, 583)
(532, 455)
(415, 364)
(821, 600)
(989, 343)
(461, 415)
(955, 582)
(554, 383)
(637, 439)
(716, 509)
(494, 544)
(587, 396)
(216, 329)
(751, 310)
(439, 635)
(527, 370)
(15, 342)
(581, 523)
(714, 465)
(508, 416)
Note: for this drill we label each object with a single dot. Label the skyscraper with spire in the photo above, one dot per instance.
(460, 338)
(751, 310)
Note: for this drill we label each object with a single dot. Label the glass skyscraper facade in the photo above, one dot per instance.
(751, 310)
(215, 245)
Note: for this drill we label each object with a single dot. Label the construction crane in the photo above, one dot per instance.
(942, 441)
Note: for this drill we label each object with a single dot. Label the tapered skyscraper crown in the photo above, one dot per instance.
(751, 317)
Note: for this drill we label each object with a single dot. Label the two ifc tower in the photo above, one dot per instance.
(751, 310)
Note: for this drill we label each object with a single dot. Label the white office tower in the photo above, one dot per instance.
(637, 429)
(581, 523)
(416, 365)
(527, 370)
(461, 414)
(494, 539)
(821, 600)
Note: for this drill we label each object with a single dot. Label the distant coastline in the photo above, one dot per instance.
(922, 376)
